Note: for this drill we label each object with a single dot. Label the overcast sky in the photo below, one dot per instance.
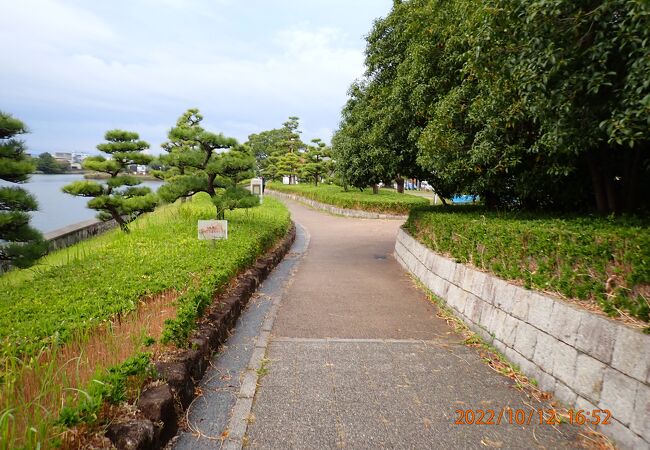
(73, 69)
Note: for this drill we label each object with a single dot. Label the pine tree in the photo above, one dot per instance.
(200, 167)
(20, 244)
(317, 161)
(119, 198)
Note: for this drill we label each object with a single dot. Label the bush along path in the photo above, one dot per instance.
(385, 202)
(602, 263)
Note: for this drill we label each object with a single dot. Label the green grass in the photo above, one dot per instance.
(75, 289)
(386, 201)
(606, 260)
(72, 291)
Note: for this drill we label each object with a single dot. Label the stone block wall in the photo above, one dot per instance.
(67, 236)
(588, 361)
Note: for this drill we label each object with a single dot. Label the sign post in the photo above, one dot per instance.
(211, 230)
(257, 188)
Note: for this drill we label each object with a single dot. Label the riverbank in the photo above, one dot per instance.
(56, 209)
(91, 175)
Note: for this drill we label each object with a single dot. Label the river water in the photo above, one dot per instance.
(56, 209)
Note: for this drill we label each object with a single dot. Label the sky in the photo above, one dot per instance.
(72, 69)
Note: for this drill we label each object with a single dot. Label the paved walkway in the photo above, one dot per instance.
(356, 358)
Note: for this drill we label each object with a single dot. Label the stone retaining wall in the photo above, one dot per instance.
(588, 361)
(335, 209)
(67, 236)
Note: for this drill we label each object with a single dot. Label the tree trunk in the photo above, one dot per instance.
(120, 221)
(400, 185)
(210, 190)
(375, 189)
(490, 200)
(597, 183)
(631, 179)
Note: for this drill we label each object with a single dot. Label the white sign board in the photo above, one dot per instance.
(213, 229)
(256, 186)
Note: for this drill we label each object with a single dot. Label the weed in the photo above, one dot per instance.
(264, 368)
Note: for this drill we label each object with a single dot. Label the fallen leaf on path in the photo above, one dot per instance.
(492, 444)
(427, 422)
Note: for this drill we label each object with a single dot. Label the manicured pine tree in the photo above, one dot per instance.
(205, 169)
(20, 244)
(119, 198)
(317, 161)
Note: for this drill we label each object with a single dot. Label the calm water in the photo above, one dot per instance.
(56, 209)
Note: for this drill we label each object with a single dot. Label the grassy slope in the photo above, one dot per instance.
(387, 201)
(77, 288)
(591, 258)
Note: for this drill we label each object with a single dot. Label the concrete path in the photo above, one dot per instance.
(358, 359)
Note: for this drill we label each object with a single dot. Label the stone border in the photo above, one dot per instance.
(588, 361)
(69, 235)
(335, 209)
(162, 404)
(239, 418)
(77, 232)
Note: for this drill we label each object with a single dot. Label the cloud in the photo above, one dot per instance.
(50, 23)
(99, 65)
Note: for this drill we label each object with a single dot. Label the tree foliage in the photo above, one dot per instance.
(203, 161)
(281, 153)
(46, 163)
(20, 244)
(120, 197)
(533, 104)
(317, 162)
(278, 152)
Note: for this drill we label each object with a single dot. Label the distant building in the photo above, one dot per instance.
(77, 158)
(63, 156)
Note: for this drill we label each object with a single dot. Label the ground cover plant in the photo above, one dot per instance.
(601, 259)
(386, 201)
(100, 285)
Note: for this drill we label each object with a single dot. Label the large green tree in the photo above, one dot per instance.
(533, 104)
(265, 146)
(20, 244)
(583, 77)
(120, 197)
(46, 163)
(211, 163)
(278, 152)
(359, 161)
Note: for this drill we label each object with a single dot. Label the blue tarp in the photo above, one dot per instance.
(464, 199)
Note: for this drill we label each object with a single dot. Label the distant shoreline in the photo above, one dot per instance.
(90, 175)
(103, 176)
